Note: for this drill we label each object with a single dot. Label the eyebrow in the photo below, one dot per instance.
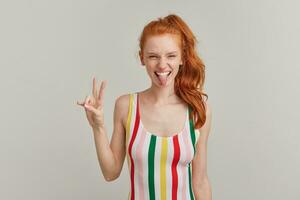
(156, 53)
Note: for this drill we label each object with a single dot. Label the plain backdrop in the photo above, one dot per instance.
(50, 50)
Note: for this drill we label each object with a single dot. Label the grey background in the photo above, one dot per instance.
(50, 50)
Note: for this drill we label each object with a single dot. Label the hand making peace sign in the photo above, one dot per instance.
(94, 106)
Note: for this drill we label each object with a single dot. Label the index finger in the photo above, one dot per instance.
(102, 86)
(94, 88)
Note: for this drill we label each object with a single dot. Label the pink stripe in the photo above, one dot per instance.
(139, 163)
(181, 167)
(184, 171)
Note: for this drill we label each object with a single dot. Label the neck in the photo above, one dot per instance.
(159, 96)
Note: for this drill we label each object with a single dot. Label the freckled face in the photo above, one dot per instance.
(162, 57)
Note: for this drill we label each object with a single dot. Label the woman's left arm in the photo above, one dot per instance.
(200, 181)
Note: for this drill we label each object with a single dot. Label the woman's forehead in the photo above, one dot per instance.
(162, 43)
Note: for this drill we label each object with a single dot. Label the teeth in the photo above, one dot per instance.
(163, 73)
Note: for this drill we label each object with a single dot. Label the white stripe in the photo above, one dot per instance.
(187, 191)
(190, 146)
(169, 168)
(179, 165)
(137, 183)
(197, 133)
(145, 165)
(182, 162)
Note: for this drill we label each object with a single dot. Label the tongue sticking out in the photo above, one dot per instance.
(163, 79)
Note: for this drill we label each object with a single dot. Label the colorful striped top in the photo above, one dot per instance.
(159, 166)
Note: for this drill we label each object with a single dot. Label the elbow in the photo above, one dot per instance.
(111, 177)
(112, 173)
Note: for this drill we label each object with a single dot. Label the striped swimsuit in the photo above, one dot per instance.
(159, 166)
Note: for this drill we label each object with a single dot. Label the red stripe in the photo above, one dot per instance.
(136, 125)
(174, 165)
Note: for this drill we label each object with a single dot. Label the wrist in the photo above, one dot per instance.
(98, 129)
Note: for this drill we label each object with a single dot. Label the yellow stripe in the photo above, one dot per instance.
(163, 160)
(128, 122)
(129, 119)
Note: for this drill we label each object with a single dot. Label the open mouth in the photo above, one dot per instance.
(162, 74)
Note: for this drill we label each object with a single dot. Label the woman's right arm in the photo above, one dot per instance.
(111, 155)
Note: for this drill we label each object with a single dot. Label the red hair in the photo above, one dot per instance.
(191, 75)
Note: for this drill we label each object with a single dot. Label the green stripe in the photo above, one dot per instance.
(192, 133)
(192, 130)
(151, 167)
(190, 182)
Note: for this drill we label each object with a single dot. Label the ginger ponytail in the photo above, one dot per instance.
(191, 75)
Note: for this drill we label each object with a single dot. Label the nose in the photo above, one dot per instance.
(163, 63)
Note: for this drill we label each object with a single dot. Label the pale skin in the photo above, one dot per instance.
(158, 105)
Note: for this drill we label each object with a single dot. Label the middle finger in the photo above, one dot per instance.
(94, 88)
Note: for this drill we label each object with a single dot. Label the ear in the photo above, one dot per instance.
(141, 58)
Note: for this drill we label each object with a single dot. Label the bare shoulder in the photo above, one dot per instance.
(122, 107)
(123, 100)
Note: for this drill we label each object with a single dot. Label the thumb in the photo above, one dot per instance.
(90, 108)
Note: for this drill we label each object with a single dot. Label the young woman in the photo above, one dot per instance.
(162, 130)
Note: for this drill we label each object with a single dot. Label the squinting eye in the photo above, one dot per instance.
(152, 56)
(172, 56)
